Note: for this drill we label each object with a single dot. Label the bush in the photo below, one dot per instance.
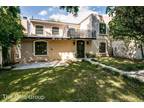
(89, 55)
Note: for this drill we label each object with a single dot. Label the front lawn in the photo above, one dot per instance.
(121, 63)
(80, 81)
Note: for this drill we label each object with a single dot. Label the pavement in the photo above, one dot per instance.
(40, 65)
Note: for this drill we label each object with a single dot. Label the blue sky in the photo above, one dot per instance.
(53, 12)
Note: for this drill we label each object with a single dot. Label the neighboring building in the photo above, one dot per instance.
(129, 49)
(51, 40)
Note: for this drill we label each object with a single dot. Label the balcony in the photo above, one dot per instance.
(68, 34)
(81, 34)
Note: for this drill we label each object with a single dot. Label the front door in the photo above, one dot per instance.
(80, 49)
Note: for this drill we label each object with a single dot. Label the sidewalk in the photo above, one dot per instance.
(134, 74)
(40, 65)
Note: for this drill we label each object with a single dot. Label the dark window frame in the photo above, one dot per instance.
(102, 28)
(39, 29)
(55, 30)
(102, 47)
(40, 50)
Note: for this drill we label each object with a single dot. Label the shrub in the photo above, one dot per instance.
(89, 55)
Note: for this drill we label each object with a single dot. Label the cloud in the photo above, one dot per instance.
(43, 13)
(83, 13)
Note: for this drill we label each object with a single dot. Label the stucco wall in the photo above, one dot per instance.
(63, 28)
(131, 50)
(57, 49)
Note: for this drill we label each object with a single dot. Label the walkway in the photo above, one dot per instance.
(134, 74)
(40, 65)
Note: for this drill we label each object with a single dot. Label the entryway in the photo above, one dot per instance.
(80, 49)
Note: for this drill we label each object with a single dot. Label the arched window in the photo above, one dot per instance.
(40, 48)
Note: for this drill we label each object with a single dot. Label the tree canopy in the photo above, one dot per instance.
(127, 23)
(10, 25)
(71, 9)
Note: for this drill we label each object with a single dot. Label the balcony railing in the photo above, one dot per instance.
(76, 33)
(81, 34)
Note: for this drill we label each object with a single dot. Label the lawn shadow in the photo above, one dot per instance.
(80, 81)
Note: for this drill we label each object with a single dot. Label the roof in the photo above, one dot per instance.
(51, 21)
(59, 22)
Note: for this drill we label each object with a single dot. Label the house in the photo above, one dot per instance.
(47, 40)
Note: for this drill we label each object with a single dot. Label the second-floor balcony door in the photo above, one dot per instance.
(80, 49)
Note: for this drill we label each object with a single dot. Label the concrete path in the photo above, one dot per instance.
(134, 74)
(40, 65)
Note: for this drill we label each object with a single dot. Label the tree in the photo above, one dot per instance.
(11, 30)
(71, 9)
(127, 23)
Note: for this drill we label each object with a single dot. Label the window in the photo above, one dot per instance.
(102, 47)
(71, 32)
(102, 28)
(55, 30)
(39, 29)
(40, 48)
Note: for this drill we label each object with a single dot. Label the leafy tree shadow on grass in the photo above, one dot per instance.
(122, 63)
(80, 81)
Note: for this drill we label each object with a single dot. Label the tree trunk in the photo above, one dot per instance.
(13, 54)
(142, 52)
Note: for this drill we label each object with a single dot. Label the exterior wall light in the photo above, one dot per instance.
(73, 42)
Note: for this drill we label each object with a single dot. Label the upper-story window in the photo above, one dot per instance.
(71, 32)
(39, 29)
(55, 30)
(102, 28)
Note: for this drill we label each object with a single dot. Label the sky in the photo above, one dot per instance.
(53, 12)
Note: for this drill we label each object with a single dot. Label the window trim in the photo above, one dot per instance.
(34, 47)
(99, 28)
(105, 48)
(39, 25)
(58, 32)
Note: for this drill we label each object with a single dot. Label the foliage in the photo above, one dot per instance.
(127, 23)
(10, 25)
(71, 9)
(90, 55)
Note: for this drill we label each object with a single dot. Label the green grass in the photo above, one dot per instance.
(80, 81)
(121, 63)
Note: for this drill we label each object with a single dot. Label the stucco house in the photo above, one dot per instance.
(47, 40)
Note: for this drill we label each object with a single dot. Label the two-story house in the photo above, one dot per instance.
(51, 40)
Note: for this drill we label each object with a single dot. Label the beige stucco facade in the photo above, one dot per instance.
(62, 46)
(56, 50)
